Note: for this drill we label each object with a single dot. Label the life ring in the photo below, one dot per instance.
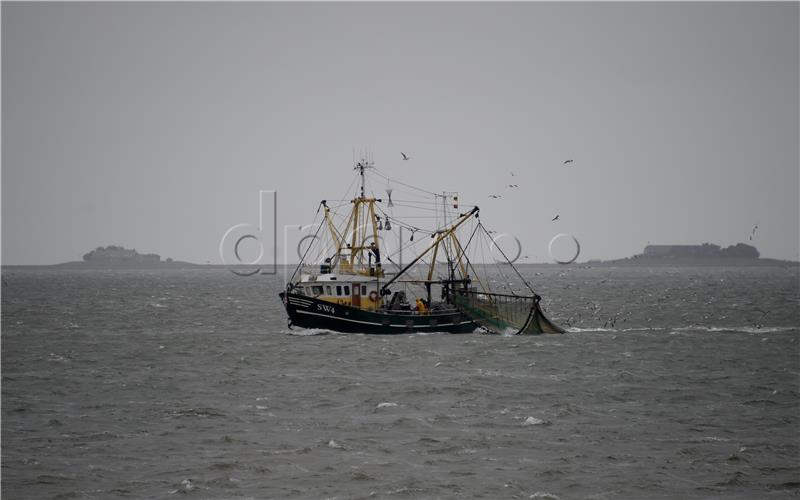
(373, 296)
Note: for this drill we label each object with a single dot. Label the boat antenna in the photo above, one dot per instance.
(360, 166)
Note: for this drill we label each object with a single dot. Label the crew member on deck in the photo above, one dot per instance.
(325, 267)
(374, 249)
(421, 307)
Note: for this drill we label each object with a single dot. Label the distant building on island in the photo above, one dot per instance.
(114, 254)
(739, 250)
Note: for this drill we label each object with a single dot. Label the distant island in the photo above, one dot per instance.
(740, 250)
(119, 257)
(113, 257)
(706, 254)
(114, 254)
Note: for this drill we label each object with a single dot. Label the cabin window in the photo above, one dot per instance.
(316, 290)
(328, 289)
(346, 290)
(338, 289)
(363, 289)
(300, 290)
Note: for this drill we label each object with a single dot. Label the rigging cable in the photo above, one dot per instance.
(509, 261)
(381, 174)
(303, 258)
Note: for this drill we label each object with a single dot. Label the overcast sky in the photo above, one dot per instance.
(154, 126)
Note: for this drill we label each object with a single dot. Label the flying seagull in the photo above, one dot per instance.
(405, 156)
(567, 161)
(555, 218)
(512, 174)
(494, 196)
(513, 186)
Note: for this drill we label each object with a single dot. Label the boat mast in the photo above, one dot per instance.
(337, 238)
(360, 166)
(362, 219)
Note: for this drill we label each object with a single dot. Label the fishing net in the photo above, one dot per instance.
(505, 314)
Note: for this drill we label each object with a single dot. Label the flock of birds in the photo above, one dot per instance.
(406, 157)
(554, 219)
(510, 186)
(514, 186)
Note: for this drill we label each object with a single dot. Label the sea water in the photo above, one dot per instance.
(671, 383)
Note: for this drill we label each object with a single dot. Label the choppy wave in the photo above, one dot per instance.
(692, 328)
(307, 332)
(738, 329)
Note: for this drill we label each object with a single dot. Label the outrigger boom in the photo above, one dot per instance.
(434, 245)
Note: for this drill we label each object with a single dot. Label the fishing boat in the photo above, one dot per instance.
(351, 276)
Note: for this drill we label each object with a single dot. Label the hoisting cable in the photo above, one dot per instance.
(303, 258)
(508, 260)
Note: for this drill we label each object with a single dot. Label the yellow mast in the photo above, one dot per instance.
(344, 265)
(337, 238)
(433, 259)
(354, 250)
(459, 254)
(374, 220)
(356, 231)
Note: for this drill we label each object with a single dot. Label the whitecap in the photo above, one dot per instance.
(738, 329)
(336, 446)
(386, 405)
(307, 332)
(535, 421)
(186, 486)
(575, 329)
(544, 495)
